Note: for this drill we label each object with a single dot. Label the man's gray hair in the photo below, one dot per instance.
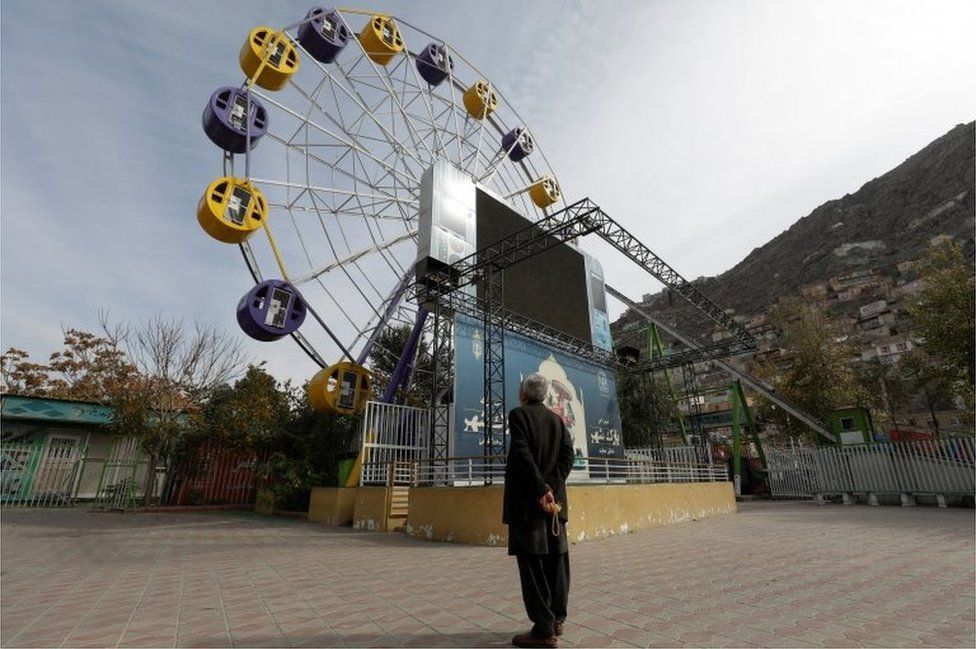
(534, 387)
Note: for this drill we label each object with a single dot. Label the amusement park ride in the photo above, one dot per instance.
(410, 193)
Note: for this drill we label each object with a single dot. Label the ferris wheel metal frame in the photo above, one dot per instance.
(357, 134)
(356, 138)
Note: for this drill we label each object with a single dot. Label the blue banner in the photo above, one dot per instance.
(582, 393)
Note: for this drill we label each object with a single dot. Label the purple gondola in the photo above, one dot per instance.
(224, 119)
(518, 143)
(271, 310)
(324, 35)
(434, 63)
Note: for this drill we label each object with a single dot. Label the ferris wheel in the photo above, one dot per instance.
(324, 144)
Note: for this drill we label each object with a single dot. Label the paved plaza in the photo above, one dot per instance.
(774, 575)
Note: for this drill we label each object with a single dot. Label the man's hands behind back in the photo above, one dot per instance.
(548, 502)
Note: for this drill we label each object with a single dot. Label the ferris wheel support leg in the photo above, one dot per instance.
(404, 366)
(395, 298)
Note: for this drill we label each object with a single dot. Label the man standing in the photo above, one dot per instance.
(540, 457)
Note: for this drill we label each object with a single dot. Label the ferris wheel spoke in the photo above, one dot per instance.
(352, 95)
(335, 168)
(481, 138)
(356, 134)
(355, 139)
(323, 130)
(369, 227)
(377, 244)
(410, 93)
(394, 143)
(304, 208)
(425, 96)
(333, 190)
(356, 286)
(443, 121)
(389, 307)
(493, 166)
(322, 270)
(393, 96)
(453, 85)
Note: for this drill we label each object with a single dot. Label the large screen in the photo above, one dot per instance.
(549, 288)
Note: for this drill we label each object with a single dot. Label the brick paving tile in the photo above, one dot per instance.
(776, 574)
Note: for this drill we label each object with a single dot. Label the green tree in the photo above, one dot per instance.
(943, 314)
(307, 451)
(23, 376)
(647, 410)
(86, 368)
(921, 377)
(250, 414)
(813, 369)
(389, 346)
(177, 371)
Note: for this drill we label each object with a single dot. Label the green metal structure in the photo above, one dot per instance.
(742, 415)
(852, 425)
(656, 350)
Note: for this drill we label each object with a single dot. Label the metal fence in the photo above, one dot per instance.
(943, 466)
(211, 474)
(44, 473)
(122, 475)
(478, 471)
(678, 454)
(391, 433)
(58, 471)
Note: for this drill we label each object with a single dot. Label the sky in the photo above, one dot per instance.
(704, 127)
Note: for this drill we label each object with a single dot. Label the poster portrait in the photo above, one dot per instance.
(581, 392)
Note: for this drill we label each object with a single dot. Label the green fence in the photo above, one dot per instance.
(45, 473)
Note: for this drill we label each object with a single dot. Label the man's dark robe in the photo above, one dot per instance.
(540, 457)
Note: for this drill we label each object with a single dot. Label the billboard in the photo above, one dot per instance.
(582, 393)
(562, 287)
(550, 287)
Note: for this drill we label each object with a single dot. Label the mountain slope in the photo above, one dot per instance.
(889, 220)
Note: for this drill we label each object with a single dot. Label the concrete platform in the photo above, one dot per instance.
(776, 574)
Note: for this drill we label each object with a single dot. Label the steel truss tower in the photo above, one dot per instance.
(485, 267)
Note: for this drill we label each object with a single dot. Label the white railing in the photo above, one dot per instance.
(943, 466)
(391, 433)
(680, 454)
(479, 470)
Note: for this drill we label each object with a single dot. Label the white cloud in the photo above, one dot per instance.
(704, 127)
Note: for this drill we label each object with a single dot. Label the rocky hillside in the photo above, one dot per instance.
(889, 220)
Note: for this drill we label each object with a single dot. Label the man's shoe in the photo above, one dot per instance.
(558, 627)
(529, 640)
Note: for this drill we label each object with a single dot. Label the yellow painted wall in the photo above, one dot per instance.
(605, 510)
(462, 514)
(369, 512)
(332, 505)
(473, 514)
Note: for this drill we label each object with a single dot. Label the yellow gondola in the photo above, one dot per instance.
(340, 389)
(381, 39)
(231, 209)
(480, 100)
(275, 50)
(545, 191)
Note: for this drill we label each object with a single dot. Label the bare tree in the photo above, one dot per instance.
(177, 370)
